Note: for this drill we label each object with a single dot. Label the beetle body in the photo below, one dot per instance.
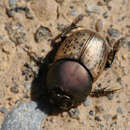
(79, 61)
(88, 48)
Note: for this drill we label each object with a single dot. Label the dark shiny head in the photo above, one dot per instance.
(68, 83)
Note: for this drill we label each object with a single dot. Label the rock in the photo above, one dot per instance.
(119, 110)
(97, 118)
(42, 33)
(91, 112)
(27, 85)
(113, 32)
(106, 117)
(74, 113)
(16, 33)
(105, 15)
(26, 116)
(14, 89)
(12, 3)
(3, 110)
(87, 101)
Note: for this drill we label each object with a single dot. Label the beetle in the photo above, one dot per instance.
(80, 59)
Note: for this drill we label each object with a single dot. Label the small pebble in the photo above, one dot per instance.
(99, 25)
(107, 1)
(92, 8)
(128, 43)
(61, 27)
(119, 110)
(42, 33)
(113, 32)
(12, 3)
(118, 80)
(27, 85)
(105, 15)
(109, 7)
(16, 33)
(99, 85)
(74, 113)
(110, 96)
(97, 118)
(74, 12)
(107, 117)
(26, 116)
(14, 89)
(91, 112)
(3, 110)
(87, 101)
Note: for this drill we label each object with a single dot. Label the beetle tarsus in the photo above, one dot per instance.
(111, 56)
(103, 92)
(62, 35)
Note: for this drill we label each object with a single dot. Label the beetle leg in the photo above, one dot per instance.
(73, 25)
(33, 56)
(103, 92)
(112, 52)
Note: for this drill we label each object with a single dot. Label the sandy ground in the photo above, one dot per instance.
(17, 33)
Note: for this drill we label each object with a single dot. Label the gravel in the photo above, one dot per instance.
(16, 33)
(14, 89)
(113, 32)
(27, 85)
(87, 101)
(119, 110)
(12, 3)
(105, 15)
(97, 118)
(74, 113)
(106, 117)
(42, 33)
(3, 110)
(25, 116)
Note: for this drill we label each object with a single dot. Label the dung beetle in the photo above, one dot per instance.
(81, 57)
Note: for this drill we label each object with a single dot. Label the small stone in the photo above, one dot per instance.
(74, 12)
(27, 85)
(16, 33)
(110, 96)
(61, 27)
(118, 80)
(59, 1)
(113, 32)
(97, 118)
(107, 117)
(91, 112)
(119, 110)
(105, 15)
(26, 116)
(3, 110)
(99, 25)
(14, 89)
(74, 113)
(99, 85)
(87, 101)
(128, 43)
(12, 3)
(92, 8)
(109, 7)
(42, 33)
(107, 1)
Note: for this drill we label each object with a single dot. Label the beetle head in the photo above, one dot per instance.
(68, 83)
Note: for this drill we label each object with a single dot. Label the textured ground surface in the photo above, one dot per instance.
(26, 25)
